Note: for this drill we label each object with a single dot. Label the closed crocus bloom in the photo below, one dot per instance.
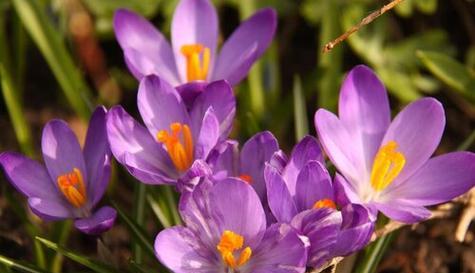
(72, 181)
(192, 55)
(225, 231)
(300, 192)
(386, 164)
(177, 138)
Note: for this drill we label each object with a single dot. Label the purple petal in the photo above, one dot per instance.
(134, 148)
(440, 180)
(279, 161)
(208, 135)
(417, 130)
(61, 151)
(247, 43)
(313, 184)
(194, 22)
(101, 221)
(51, 210)
(97, 156)
(338, 145)
(321, 226)
(306, 150)
(218, 95)
(160, 105)
(145, 49)
(180, 250)
(28, 176)
(344, 191)
(224, 160)
(364, 111)
(403, 211)
(281, 251)
(190, 91)
(280, 201)
(188, 181)
(356, 230)
(254, 154)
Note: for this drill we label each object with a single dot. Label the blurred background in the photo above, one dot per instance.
(59, 58)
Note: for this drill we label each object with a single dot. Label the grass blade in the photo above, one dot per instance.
(139, 216)
(21, 266)
(373, 254)
(300, 110)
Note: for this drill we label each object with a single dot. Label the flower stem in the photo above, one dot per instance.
(374, 253)
(140, 200)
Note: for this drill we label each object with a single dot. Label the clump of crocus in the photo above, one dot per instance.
(386, 165)
(300, 192)
(72, 181)
(177, 137)
(225, 231)
(192, 55)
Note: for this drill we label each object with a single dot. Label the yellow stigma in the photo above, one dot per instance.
(388, 164)
(195, 70)
(230, 243)
(324, 203)
(179, 145)
(73, 187)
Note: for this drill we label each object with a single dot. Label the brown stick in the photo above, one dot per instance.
(368, 19)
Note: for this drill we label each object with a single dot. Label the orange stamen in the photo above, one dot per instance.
(73, 188)
(230, 243)
(195, 70)
(247, 178)
(179, 145)
(324, 203)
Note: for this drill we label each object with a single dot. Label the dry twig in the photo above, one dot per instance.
(467, 217)
(367, 20)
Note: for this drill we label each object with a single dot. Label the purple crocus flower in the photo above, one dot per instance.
(386, 165)
(194, 34)
(177, 139)
(72, 181)
(225, 231)
(300, 192)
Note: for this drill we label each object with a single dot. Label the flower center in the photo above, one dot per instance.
(231, 243)
(195, 70)
(247, 178)
(388, 164)
(73, 188)
(179, 145)
(324, 203)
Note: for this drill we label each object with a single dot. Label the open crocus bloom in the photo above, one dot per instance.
(192, 55)
(177, 139)
(225, 231)
(73, 180)
(300, 192)
(386, 165)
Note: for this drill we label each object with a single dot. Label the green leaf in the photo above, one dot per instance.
(137, 231)
(300, 110)
(21, 266)
(373, 254)
(53, 48)
(450, 72)
(139, 216)
(85, 261)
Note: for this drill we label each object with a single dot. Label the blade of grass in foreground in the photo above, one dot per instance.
(20, 266)
(51, 45)
(300, 110)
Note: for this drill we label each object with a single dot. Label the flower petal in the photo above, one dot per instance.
(281, 251)
(51, 210)
(247, 43)
(146, 50)
(321, 227)
(28, 176)
(313, 184)
(306, 150)
(280, 201)
(193, 176)
(190, 91)
(218, 95)
(208, 135)
(101, 221)
(97, 156)
(254, 154)
(364, 111)
(440, 180)
(224, 160)
(134, 148)
(194, 22)
(338, 145)
(417, 130)
(403, 211)
(160, 105)
(180, 250)
(344, 191)
(61, 151)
